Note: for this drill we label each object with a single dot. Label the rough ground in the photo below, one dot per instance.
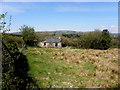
(73, 68)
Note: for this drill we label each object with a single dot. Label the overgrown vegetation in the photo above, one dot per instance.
(73, 68)
(14, 63)
(17, 39)
(91, 40)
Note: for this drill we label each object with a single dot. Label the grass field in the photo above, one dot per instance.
(73, 68)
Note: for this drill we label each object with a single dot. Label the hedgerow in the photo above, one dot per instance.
(14, 63)
(14, 67)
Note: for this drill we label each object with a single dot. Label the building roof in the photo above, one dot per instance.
(52, 39)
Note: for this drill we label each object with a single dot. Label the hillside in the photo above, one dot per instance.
(62, 32)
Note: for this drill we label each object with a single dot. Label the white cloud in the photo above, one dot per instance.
(71, 9)
(102, 26)
(60, 0)
(63, 8)
(12, 9)
(111, 28)
(114, 26)
(16, 7)
(76, 8)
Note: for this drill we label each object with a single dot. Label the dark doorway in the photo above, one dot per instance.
(44, 44)
(56, 44)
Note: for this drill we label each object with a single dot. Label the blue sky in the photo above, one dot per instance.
(49, 16)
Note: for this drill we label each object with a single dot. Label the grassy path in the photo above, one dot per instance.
(73, 68)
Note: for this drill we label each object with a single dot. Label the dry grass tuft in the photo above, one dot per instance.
(103, 65)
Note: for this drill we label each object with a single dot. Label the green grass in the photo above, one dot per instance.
(58, 73)
(51, 72)
(90, 67)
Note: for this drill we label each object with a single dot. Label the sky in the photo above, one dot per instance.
(75, 16)
(60, 0)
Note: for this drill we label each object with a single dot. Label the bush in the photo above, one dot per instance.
(105, 40)
(89, 40)
(67, 41)
(16, 39)
(14, 63)
(14, 67)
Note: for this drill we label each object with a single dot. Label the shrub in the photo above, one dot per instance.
(14, 63)
(29, 35)
(17, 39)
(115, 43)
(93, 40)
(14, 67)
(105, 40)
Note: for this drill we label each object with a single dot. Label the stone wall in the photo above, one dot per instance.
(41, 44)
(59, 44)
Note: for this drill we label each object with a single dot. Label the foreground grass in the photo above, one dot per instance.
(73, 68)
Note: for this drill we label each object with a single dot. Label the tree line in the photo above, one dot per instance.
(89, 40)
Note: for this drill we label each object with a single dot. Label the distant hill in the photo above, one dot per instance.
(60, 32)
(73, 32)
(64, 32)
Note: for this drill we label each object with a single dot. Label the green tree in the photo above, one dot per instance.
(105, 40)
(28, 34)
(4, 27)
(95, 39)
